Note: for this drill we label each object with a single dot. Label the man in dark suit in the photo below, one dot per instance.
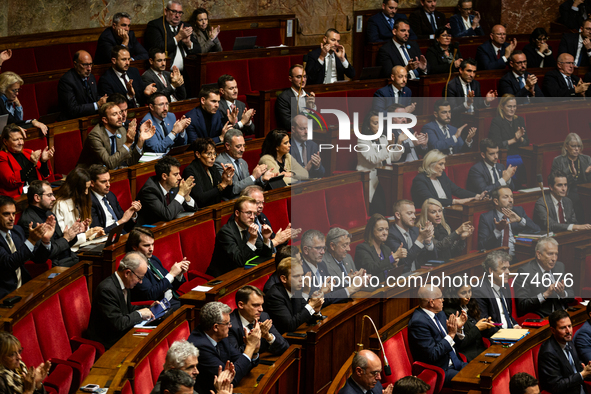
(118, 34)
(488, 174)
(166, 194)
(76, 91)
(532, 291)
(285, 302)
(562, 82)
(158, 283)
(442, 135)
(41, 201)
(229, 104)
(395, 93)
(401, 52)
(413, 150)
(570, 43)
(302, 147)
(206, 119)
(425, 20)
(215, 348)
(367, 368)
(417, 241)
(16, 248)
(559, 367)
(560, 207)
(574, 12)
(431, 335)
(518, 81)
(296, 95)
(494, 298)
(500, 226)
(463, 92)
(106, 211)
(582, 339)
(329, 63)
(171, 84)
(249, 311)
(494, 54)
(112, 314)
(170, 132)
(239, 241)
(379, 26)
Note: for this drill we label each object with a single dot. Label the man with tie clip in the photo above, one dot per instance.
(169, 131)
(401, 52)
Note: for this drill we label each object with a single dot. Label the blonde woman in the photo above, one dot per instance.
(449, 244)
(15, 377)
(10, 85)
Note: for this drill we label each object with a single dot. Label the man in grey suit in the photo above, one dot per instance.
(172, 85)
(230, 105)
(235, 146)
(338, 260)
(110, 144)
(560, 207)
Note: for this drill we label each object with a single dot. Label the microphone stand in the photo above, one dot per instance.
(450, 70)
(541, 183)
(387, 369)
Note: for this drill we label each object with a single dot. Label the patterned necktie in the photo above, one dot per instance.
(113, 144)
(391, 23)
(415, 72)
(521, 82)
(12, 247)
(561, 212)
(162, 79)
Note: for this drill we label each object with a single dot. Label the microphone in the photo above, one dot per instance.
(387, 369)
(455, 46)
(541, 183)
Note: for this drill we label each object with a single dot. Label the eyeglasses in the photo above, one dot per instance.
(139, 277)
(47, 194)
(229, 323)
(375, 374)
(15, 91)
(85, 65)
(569, 63)
(175, 12)
(249, 213)
(209, 154)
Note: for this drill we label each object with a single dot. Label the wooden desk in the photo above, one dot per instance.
(584, 191)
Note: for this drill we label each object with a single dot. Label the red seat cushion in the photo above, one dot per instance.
(60, 379)
(141, 179)
(157, 357)
(180, 333)
(268, 80)
(142, 382)
(21, 62)
(59, 55)
(252, 158)
(197, 244)
(122, 191)
(407, 179)
(396, 351)
(460, 173)
(47, 102)
(69, 146)
(28, 100)
(26, 333)
(48, 319)
(75, 305)
(547, 159)
(84, 356)
(525, 363)
(501, 383)
(168, 250)
(276, 212)
(37, 143)
(529, 208)
(309, 211)
(236, 68)
(346, 206)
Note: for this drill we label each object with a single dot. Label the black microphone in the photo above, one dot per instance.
(541, 183)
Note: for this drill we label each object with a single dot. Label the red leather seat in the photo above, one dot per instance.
(268, 80)
(276, 212)
(122, 191)
(460, 174)
(21, 62)
(546, 126)
(407, 179)
(236, 68)
(197, 246)
(346, 206)
(252, 158)
(547, 159)
(59, 55)
(168, 250)
(47, 102)
(309, 211)
(68, 147)
(28, 100)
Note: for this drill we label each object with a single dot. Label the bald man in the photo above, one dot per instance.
(494, 54)
(76, 90)
(367, 369)
(432, 336)
(395, 93)
(302, 149)
(561, 82)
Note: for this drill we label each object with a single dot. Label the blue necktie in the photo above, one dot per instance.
(452, 354)
(238, 169)
(505, 310)
(391, 23)
(106, 202)
(433, 24)
(521, 82)
(113, 144)
(415, 72)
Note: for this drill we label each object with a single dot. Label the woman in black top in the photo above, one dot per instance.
(210, 186)
(440, 54)
(538, 52)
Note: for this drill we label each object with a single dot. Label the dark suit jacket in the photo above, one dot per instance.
(384, 97)
(154, 38)
(378, 28)
(109, 38)
(472, 344)
(198, 129)
(540, 216)
(236, 335)
(571, 18)
(437, 61)
(455, 96)
(149, 77)
(98, 214)
(74, 101)
(554, 370)
(333, 297)
(111, 316)
(287, 314)
(152, 289)
(569, 44)
(311, 148)
(555, 86)
(422, 189)
(231, 251)
(421, 25)
(97, 149)
(415, 253)
(508, 84)
(486, 56)
(437, 140)
(389, 56)
(110, 83)
(204, 192)
(582, 342)
(367, 258)
(486, 228)
(458, 29)
(210, 360)
(241, 108)
(562, 163)
(316, 71)
(487, 302)
(154, 208)
(527, 292)
(352, 388)
(479, 178)
(9, 262)
(501, 131)
(534, 59)
(283, 109)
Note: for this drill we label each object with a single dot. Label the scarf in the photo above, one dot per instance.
(14, 378)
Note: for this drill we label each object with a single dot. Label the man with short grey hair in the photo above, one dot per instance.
(182, 355)
(119, 33)
(303, 150)
(338, 260)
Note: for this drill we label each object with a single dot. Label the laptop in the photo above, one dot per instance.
(177, 150)
(112, 238)
(370, 73)
(3, 122)
(244, 43)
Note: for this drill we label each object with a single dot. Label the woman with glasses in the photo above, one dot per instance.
(206, 35)
(440, 55)
(275, 155)
(538, 52)
(10, 85)
(210, 186)
(577, 168)
(15, 376)
(466, 21)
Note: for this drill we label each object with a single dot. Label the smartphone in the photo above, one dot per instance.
(51, 276)
(296, 334)
(214, 282)
(148, 225)
(492, 354)
(497, 324)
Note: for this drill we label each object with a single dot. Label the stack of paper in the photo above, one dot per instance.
(509, 334)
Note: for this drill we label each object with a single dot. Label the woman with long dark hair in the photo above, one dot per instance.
(206, 35)
(275, 155)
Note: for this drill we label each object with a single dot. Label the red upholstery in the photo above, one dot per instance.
(396, 350)
(69, 146)
(89, 47)
(46, 97)
(236, 68)
(525, 363)
(268, 80)
(180, 333)
(60, 379)
(475, 220)
(157, 357)
(276, 212)
(168, 250)
(122, 191)
(28, 100)
(37, 143)
(197, 245)
(535, 352)
(252, 158)
(21, 62)
(140, 180)
(529, 208)
(309, 211)
(296, 59)
(460, 173)
(353, 246)
(407, 179)
(126, 389)
(487, 84)
(346, 206)
(501, 383)
(59, 55)
(546, 126)
(265, 37)
(547, 159)
(142, 382)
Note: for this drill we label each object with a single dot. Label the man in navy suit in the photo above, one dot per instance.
(379, 26)
(582, 339)
(395, 93)
(365, 378)
(329, 63)
(500, 226)
(448, 139)
(158, 283)
(570, 43)
(488, 174)
(417, 241)
(118, 34)
(432, 336)
(559, 367)
(518, 81)
(206, 119)
(170, 132)
(463, 92)
(215, 348)
(466, 12)
(125, 80)
(106, 211)
(401, 52)
(249, 311)
(230, 105)
(301, 147)
(494, 54)
(425, 20)
(574, 12)
(76, 91)
(562, 82)
(16, 249)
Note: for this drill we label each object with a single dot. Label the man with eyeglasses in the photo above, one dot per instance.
(518, 81)
(578, 44)
(240, 239)
(562, 82)
(296, 96)
(170, 132)
(77, 90)
(366, 376)
(494, 54)
(112, 314)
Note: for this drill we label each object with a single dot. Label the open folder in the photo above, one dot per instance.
(509, 334)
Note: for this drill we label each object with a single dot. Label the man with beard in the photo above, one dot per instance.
(206, 119)
(518, 81)
(296, 95)
(232, 109)
(488, 174)
(379, 26)
(170, 132)
(462, 90)
(442, 135)
(329, 63)
(171, 84)
(401, 52)
(395, 93)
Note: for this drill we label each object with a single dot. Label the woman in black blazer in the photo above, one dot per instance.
(373, 255)
(538, 53)
(210, 186)
(432, 177)
(440, 54)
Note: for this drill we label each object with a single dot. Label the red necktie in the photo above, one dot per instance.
(499, 54)
(167, 198)
(506, 234)
(561, 213)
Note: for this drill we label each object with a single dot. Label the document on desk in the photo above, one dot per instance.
(509, 334)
